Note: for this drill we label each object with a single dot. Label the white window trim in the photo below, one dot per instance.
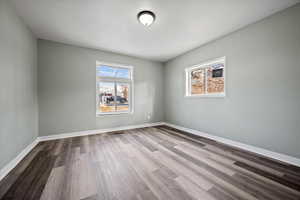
(118, 80)
(203, 65)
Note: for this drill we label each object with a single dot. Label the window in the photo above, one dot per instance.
(206, 79)
(113, 88)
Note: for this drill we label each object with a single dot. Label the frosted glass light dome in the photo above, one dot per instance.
(146, 17)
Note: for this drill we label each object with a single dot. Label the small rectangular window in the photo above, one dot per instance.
(108, 71)
(113, 89)
(106, 97)
(206, 79)
(122, 100)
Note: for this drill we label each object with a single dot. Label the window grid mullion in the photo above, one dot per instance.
(115, 97)
(205, 79)
(114, 79)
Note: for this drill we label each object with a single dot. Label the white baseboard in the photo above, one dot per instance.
(12, 164)
(258, 150)
(93, 132)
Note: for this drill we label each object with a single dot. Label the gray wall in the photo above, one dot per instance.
(18, 93)
(262, 106)
(66, 87)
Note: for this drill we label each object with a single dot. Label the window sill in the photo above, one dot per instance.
(113, 114)
(222, 95)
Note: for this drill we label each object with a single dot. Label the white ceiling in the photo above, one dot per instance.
(111, 25)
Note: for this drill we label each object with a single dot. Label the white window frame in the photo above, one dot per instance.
(204, 65)
(117, 80)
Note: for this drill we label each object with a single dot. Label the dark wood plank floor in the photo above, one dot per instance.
(149, 163)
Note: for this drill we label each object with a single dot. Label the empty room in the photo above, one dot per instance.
(149, 100)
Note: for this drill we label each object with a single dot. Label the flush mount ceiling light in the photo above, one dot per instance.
(146, 17)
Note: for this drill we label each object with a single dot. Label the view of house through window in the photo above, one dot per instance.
(206, 79)
(113, 89)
